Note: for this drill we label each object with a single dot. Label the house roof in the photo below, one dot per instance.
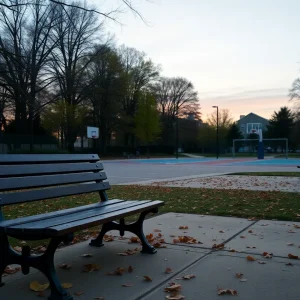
(255, 115)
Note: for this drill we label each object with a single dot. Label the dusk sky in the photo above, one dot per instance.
(240, 55)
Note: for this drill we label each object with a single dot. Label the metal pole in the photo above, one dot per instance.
(217, 132)
(177, 132)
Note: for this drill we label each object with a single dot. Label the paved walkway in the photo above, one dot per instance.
(269, 277)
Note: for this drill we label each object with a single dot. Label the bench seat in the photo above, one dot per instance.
(62, 222)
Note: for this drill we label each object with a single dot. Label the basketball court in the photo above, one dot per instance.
(136, 170)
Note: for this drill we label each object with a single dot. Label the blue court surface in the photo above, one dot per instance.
(213, 161)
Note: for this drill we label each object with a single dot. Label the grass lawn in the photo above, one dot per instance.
(285, 174)
(238, 203)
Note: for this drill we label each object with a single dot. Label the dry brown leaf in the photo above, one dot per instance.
(37, 287)
(86, 255)
(91, 267)
(119, 271)
(78, 293)
(250, 258)
(175, 296)
(64, 266)
(134, 239)
(221, 231)
(218, 246)
(227, 292)
(147, 278)
(267, 255)
(296, 226)
(108, 238)
(173, 288)
(261, 262)
(183, 227)
(130, 269)
(10, 270)
(127, 285)
(291, 231)
(250, 231)
(232, 250)
(67, 285)
(99, 298)
(291, 256)
(251, 247)
(168, 271)
(188, 277)
(129, 252)
(289, 264)
(290, 244)
(186, 240)
(159, 245)
(156, 230)
(239, 275)
(242, 237)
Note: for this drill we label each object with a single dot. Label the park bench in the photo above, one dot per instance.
(28, 178)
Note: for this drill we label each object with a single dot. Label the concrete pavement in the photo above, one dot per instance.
(274, 279)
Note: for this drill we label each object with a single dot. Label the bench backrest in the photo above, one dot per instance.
(32, 177)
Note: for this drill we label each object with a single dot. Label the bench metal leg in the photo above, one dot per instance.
(44, 263)
(136, 228)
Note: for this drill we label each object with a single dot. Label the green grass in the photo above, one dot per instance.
(238, 203)
(286, 174)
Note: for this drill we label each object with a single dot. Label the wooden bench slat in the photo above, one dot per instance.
(85, 223)
(28, 182)
(63, 212)
(8, 159)
(49, 193)
(47, 169)
(78, 215)
(94, 221)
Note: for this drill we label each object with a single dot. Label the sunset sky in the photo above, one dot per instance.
(241, 55)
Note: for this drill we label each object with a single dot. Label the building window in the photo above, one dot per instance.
(251, 126)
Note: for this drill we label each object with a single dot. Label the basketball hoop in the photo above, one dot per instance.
(254, 131)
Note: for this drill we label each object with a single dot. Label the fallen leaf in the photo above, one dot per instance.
(78, 293)
(156, 230)
(147, 278)
(267, 255)
(243, 280)
(18, 249)
(86, 255)
(291, 231)
(251, 247)
(250, 258)
(134, 239)
(175, 296)
(37, 287)
(250, 231)
(218, 246)
(296, 226)
(130, 269)
(221, 231)
(129, 252)
(64, 266)
(10, 270)
(291, 256)
(173, 288)
(168, 271)
(289, 264)
(127, 285)
(183, 227)
(188, 277)
(239, 275)
(290, 244)
(186, 240)
(91, 267)
(99, 298)
(227, 292)
(108, 238)
(242, 237)
(119, 271)
(67, 285)
(261, 262)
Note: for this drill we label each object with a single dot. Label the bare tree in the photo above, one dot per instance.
(224, 121)
(75, 31)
